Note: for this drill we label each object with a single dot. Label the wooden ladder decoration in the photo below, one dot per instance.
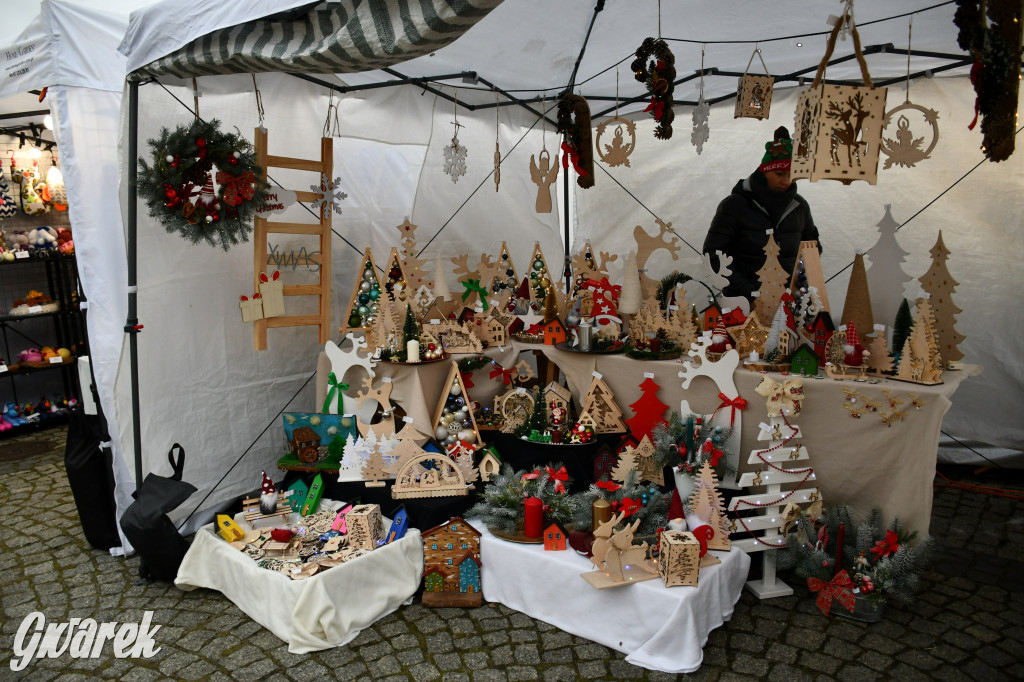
(263, 228)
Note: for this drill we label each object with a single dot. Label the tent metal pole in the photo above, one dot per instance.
(132, 326)
(567, 269)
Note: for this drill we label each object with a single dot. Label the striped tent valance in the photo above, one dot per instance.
(345, 37)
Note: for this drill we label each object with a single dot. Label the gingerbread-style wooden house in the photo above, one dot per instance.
(447, 549)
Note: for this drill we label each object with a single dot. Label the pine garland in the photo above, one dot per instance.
(653, 512)
(893, 576)
(501, 503)
(182, 163)
(668, 284)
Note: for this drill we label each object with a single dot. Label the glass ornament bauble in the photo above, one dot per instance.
(374, 293)
(364, 298)
(363, 310)
(455, 389)
(355, 320)
(441, 432)
(465, 436)
(538, 264)
(450, 440)
(368, 274)
(370, 319)
(364, 287)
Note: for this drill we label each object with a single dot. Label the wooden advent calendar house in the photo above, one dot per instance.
(452, 551)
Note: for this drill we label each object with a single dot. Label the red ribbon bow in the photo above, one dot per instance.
(657, 107)
(237, 188)
(839, 588)
(467, 379)
(558, 477)
(505, 374)
(627, 506)
(736, 403)
(715, 453)
(574, 156)
(610, 486)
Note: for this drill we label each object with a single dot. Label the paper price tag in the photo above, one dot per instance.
(3, 368)
(407, 420)
(57, 360)
(764, 427)
(597, 375)
(434, 321)
(21, 254)
(32, 309)
(880, 327)
(520, 390)
(386, 380)
(673, 307)
(648, 375)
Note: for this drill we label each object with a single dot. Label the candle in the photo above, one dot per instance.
(600, 512)
(839, 547)
(533, 517)
(412, 351)
(583, 332)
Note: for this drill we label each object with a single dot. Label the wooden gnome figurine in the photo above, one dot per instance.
(853, 352)
(268, 496)
(720, 341)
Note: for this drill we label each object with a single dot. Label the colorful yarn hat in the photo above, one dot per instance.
(778, 155)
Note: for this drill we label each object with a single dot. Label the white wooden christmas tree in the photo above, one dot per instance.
(759, 516)
(885, 274)
(940, 286)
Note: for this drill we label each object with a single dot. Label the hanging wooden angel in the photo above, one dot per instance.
(754, 93)
(542, 171)
(455, 153)
(616, 152)
(904, 148)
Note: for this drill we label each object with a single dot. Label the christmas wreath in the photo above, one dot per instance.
(178, 183)
(659, 76)
(501, 503)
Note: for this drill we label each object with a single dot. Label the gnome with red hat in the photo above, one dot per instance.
(766, 202)
(853, 351)
(268, 496)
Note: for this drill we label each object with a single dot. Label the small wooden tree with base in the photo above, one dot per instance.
(940, 286)
(706, 503)
(781, 463)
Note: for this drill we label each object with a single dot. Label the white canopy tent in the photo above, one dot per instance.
(202, 385)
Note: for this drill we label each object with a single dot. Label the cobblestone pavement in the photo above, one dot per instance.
(966, 623)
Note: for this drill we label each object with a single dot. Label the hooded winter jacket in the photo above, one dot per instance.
(741, 223)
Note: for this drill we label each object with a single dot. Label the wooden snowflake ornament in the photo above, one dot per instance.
(328, 195)
(455, 158)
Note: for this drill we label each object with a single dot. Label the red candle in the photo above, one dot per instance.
(839, 547)
(533, 517)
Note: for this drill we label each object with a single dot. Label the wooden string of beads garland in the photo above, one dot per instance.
(659, 76)
(177, 183)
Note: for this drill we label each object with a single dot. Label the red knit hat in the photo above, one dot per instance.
(778, 155)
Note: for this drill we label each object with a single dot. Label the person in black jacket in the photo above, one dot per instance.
(766, 201)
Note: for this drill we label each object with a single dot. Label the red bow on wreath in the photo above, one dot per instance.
(505, 374)
(627, 506)
(558, 477)
(237, 189)
(610, 486)
(467, 379)
(839, 588)
(657, 107)
(736, 403)
(572, 155)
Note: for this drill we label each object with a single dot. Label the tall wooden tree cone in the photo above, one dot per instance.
(857, 307)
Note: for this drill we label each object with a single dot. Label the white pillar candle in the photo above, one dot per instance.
(412, 351)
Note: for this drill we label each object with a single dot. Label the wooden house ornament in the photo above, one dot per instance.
(605, 462)
(679, 563)
(711, 316)
(557, 395)
(555, 536)
(305, 444)
(554, 332)
(495, 329)
(365, 526)
(821, 331)
(365, 295)
(489, 465)
(804, 362)
(838, 132)
(446, 550)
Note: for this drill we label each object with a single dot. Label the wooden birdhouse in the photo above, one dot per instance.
(306, 444)
(838, 132)
(680, 558)
(489, 465)
(555, 537)
(710, 316)
(557, 395)
(365, 526)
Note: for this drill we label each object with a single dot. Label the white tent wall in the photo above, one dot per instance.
(980, 221)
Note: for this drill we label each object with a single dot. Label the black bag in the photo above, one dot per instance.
(159, 544)
(91, 477)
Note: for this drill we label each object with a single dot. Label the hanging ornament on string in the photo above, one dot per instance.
(701, 128)
(577, 147)
(55, 184)
(754, 93)
(497, 149)
(617, 153)
(328, 195)
(544, 174)
(455, 154)
(659, 75)
(907, 149)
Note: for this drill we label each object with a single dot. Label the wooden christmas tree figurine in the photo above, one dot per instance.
(783, 463)
(599, 402)
(642, 458)
(412, 266)
(940, 286)
(773, 279)
(885, 274)
(706, 504)
(366, 296)
(648, 411)
(374, 469)
(920, 360)
(879, 359)
(857, 307)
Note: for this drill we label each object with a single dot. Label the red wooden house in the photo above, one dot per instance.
(555, 537)
(554, 332)
(821, 330)
(711, 315)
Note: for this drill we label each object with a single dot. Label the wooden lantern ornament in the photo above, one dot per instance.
(839, 127)
(754, 93)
